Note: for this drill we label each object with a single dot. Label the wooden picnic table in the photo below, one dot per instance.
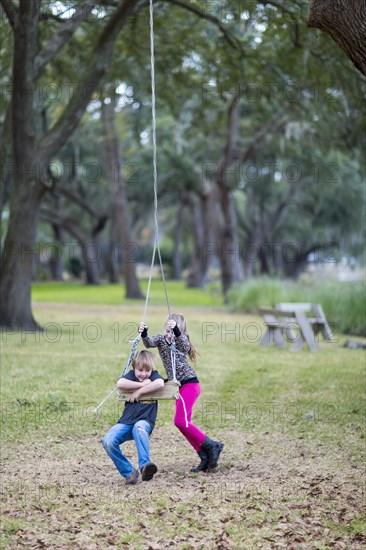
(290, 322)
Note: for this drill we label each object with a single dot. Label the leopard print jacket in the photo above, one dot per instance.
(182, 368)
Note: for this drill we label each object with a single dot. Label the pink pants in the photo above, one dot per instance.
(183, 413)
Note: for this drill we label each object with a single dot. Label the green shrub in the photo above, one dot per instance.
(256, 293)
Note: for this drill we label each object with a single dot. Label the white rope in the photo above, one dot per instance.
(173, 357)
(134, 345)
(156, 239)
(185, 410)
(149, 283)
(155, 171)
(126, 368)
(104, 400)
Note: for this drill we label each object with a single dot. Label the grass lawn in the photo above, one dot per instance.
(291, 473)
(80, 293)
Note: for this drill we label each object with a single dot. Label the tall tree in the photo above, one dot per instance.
(32, 151)
(231, 266)
(120, 215)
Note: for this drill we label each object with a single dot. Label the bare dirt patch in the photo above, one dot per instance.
(270, 491)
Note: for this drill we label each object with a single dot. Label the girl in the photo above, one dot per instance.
(189, 390)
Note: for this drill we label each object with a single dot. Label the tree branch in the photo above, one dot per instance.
(277, 215)
(314, 247)
(231, 139)
(81, 202)
(59, 39)
(293, 16)
(67, 222)
(109, 3)
(345, 22)
(100, 59)
(242, 222)
(229, 37)
(100, 224)
(47, 16)
(272, 125)
(11, 11)
(280, 7)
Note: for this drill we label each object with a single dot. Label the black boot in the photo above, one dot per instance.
(203, 465)
(213, 450)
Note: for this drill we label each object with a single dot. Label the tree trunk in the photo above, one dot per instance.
(264, 264)
(252, 249)
(177, 255)
(120, 212)
(113, 257)
(90, 254)
(99, 255)
(345, 22)
(56, 263)
(293, 269)
(17, 261)
(229, 253)
(6, 162)
(202, 248)
(19, 251)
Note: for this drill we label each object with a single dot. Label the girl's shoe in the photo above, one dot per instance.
(213, 450)
(203, 465)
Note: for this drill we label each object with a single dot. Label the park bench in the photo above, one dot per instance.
(297, 323)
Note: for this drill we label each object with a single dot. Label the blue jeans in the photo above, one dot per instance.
(118, 434)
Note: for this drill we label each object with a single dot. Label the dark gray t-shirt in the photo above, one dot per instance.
(133, 412)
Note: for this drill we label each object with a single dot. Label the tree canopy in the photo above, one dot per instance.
(260, 124)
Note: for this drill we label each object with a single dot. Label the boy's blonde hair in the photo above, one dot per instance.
(144, 360)
(182, 325)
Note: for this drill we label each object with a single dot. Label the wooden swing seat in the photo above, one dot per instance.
(170, 390)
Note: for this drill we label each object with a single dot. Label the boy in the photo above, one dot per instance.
(137, 421)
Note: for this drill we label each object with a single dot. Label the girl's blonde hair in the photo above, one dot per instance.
(182, 325)
(144, 360)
